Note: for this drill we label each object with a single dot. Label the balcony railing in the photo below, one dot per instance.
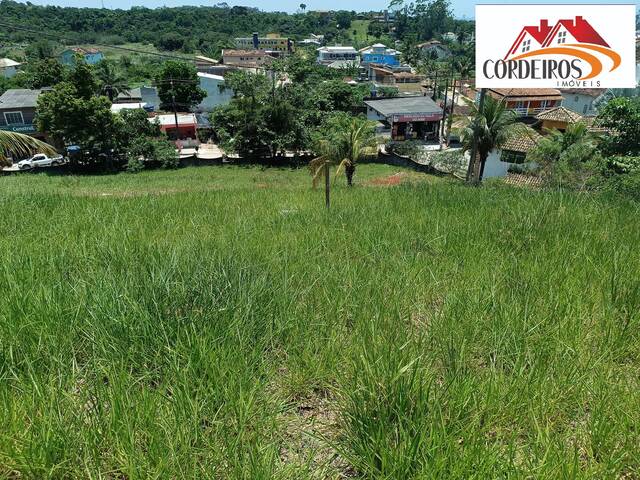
(529, 112)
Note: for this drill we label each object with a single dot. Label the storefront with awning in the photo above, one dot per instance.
(408, 118)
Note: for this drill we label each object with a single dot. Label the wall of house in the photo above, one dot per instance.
(496, 168)
(8, 72)
(214, 96)
(551, 124)
(582, 104)
(381, 58)
(28, 115)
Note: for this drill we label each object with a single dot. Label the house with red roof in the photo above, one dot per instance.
(530, 38)
(577, 30)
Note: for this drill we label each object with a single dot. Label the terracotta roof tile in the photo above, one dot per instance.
(560, 114)
(522, 142)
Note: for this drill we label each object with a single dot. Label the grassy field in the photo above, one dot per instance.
(217, 322)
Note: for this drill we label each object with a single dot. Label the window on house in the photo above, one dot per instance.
(526, 46)
(509, 156)
(562, 37)
(13, 118)
(519, 105)
(584, 109)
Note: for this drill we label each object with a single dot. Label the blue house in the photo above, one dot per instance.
(380, 54)
(91, 55)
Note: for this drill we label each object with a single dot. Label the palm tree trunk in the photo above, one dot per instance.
(483, 161)
(350, 171)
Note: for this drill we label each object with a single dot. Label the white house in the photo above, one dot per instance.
(512, 155)
(8, 67)
(581, 100)
(216, 93)
(328, 55)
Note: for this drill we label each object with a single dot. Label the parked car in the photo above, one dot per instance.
(40, 160)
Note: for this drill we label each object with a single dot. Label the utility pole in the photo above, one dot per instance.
(444, 110)
(453, 107)
(327, 186)
(173, 106)
(474, 147)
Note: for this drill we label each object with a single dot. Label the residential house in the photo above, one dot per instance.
(8, 67)
(18, 111)
(187, 125)
(329, 55)
(450, 37)
(380, 54)
(216, 93)
(252, 59)
(313, 39)
(140, 95)
(407, 118)
(385, 17)
(90, 55)
(512, 155)
(559, 118)
(434, 49)
(527, 102)
(272, 43)
(205, 64)
(401, 78)
(581, 100)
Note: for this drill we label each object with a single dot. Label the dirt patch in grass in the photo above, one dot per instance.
(389, 181)
(310, 427)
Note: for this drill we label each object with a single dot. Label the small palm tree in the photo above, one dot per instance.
(492, 126)
(112, 82)
(19, 144)
(347, 141)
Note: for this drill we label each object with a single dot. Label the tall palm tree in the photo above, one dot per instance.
(347, 141)
(112, 82)
(492, 126)
(19, 144)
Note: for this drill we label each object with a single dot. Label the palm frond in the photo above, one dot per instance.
(21, 145)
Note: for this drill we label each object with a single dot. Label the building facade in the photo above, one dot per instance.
(216, 93)
(380, 54)
(527, 102)
(246, 58)
(329, 55)
(581, 100)
(90, 55)
(18, 111)
(407, 118)
(270, 43)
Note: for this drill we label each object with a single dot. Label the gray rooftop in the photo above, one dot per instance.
(19, 98)
(404, 106)
(131, 93)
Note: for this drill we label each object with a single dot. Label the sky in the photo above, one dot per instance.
(461, 8)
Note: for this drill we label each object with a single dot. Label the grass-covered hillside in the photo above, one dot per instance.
(217, 322)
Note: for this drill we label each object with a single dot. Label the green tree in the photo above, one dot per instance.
(112, 82)
(83, 78)
(492, 127)
(71, 118)
(178, 85)
(569, 158)
(45, 73)
(622, 117)
(343, 141)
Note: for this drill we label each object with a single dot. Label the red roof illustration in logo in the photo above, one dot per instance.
(538, 33)
(580, 29)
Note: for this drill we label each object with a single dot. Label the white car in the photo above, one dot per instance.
(40, 160)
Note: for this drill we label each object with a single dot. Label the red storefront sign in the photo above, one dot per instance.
(418, 117)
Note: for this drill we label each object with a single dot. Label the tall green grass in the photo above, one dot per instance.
(219, 323)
